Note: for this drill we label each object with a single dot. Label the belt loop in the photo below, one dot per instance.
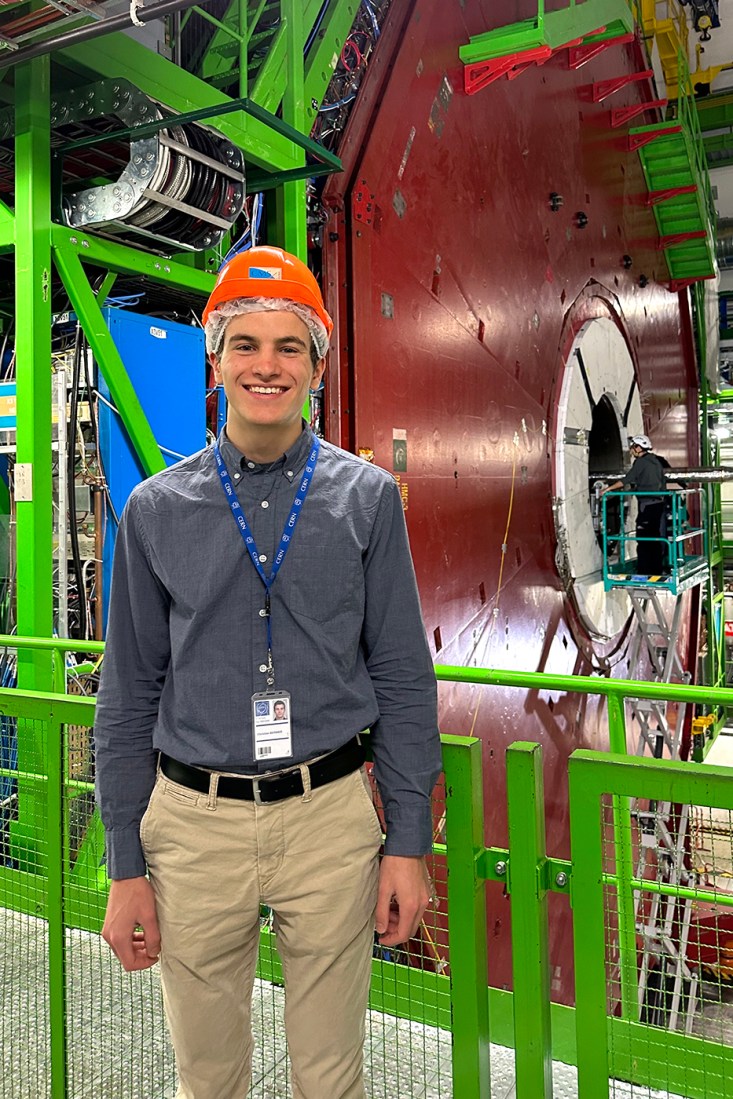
(306, 777)
(213, 789)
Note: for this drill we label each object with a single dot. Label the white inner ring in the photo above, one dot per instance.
(610, 372)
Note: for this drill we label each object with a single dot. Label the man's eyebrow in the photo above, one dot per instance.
(292, 339)
(236, 336)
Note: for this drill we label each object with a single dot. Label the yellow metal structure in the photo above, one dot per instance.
(666, 24)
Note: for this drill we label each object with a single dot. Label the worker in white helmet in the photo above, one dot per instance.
(647, 476)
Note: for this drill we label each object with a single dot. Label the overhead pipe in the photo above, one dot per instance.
(92, 30)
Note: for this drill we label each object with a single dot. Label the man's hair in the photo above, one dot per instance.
(218, 321)
(280, 702)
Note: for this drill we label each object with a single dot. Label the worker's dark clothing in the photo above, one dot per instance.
(647, 475)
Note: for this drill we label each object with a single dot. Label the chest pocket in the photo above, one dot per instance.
(326, 585)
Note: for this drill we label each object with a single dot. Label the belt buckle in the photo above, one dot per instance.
(256, 792)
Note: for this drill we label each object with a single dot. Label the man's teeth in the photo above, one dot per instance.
(265, 388)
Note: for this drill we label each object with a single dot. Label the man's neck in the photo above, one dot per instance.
(262, 444)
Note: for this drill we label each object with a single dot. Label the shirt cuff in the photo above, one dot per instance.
(409, 831)
(125, 857)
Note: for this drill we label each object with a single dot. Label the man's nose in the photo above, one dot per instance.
(266, 363)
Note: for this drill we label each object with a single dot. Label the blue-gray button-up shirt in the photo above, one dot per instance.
(186, 642)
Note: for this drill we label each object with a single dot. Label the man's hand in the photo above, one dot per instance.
(131, 905)
(404, 892)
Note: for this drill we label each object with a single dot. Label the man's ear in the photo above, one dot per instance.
(318, 373)
(214, 363)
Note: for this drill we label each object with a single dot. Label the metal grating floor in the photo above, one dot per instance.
(119, 1048)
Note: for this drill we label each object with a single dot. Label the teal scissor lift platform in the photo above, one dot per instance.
(685, 541)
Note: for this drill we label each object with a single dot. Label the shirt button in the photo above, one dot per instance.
(263, 613)
(289, 473)
(263, 667)
(250, 465)
(237, 476)
(263, 557)
(265, 504)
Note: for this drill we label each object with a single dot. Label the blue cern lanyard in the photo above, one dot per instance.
(287, 534)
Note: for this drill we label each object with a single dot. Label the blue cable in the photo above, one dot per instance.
(372, 16)
(316, 27)
(338, 104)
(245, 243)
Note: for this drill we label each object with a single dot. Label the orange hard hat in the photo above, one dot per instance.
(265, 272)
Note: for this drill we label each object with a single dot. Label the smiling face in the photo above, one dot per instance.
(266, 369)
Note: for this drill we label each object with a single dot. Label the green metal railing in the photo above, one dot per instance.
(592, 20)
(605, 1034)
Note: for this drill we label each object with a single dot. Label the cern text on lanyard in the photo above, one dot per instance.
(287, 534)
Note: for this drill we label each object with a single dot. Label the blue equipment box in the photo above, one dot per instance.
(166, 364)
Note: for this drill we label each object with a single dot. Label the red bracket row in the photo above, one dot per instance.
(621, 115)
(580, 55)
(602, 89)
(655, 197)
(636, 141)
(681, 284)
(479, 74)
(680, 238)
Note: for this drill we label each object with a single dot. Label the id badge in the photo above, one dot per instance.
(271, 725)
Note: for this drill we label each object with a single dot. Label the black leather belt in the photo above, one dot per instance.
(263, 789)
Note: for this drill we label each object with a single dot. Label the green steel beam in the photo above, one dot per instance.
(323, 57)
(269, 84)
(715, 112)
(589, 916)
(554, 29)
(530, 940)
(290, 198)
(7, 226)
(86, 307)
(123, 259)
(718, 150)
(34, 508)
(162, 80)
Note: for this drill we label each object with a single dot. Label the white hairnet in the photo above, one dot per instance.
(219, 319)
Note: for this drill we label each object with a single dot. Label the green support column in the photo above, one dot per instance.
(624, 848)
(105, 351)
(34, 507)
(464, 822)
(589, 919)
(530, 943)
(292, 228)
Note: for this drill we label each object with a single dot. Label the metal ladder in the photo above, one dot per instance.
(664, 925)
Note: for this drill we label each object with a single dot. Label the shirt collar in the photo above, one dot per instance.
(289, 464)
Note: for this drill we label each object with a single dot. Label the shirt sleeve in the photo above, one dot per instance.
(405, 739)
(137, 655)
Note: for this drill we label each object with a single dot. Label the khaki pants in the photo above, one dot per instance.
(314, 862)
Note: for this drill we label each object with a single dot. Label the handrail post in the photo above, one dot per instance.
(55, 903)
(623, 844)
(467, 918)
(530, 940)
(586, 846)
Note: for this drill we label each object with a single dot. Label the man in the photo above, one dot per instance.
(271, 568)
(646, 475)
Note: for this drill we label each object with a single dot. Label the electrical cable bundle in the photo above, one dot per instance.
(353, 61)
(182, 186)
